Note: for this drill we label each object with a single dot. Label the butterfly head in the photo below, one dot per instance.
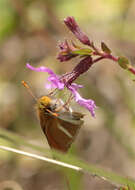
(44, 102)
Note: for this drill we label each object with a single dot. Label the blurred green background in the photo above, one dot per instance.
(29, 32)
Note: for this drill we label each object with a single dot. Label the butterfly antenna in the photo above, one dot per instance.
(29, 90)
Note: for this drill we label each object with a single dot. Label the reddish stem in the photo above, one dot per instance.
(106, 56)
(132, 70)
(98, 59)
(109, 56)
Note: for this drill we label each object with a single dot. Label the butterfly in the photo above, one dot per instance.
(60, 125)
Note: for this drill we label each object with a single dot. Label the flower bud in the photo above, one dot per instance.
(65, 53)
(73, 27)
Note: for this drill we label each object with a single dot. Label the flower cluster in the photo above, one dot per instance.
(69, 51)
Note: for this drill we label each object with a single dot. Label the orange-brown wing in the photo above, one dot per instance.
(48, 124)
(60, 131)
(69, 124)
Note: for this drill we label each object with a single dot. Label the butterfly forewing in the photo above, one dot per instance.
(61, 130)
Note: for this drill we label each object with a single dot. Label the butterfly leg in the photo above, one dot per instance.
(52, 92)
(66, 105)
(68, 101)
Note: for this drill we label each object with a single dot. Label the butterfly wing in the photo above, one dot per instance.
(69, 125)
(48, 124)
(60, 130)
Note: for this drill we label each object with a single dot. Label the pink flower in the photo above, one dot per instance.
(56, 82)
(53, 78)
(88, 104)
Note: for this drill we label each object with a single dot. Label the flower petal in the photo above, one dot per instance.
(48, 86)
(56, 83)
(40, 69)
(88, 104)
(76, 86)
(53, 78)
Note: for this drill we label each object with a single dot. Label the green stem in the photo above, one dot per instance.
(111, 177)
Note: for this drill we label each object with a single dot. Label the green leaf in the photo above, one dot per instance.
(123, 62)
(82, 52)
(105, 48)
